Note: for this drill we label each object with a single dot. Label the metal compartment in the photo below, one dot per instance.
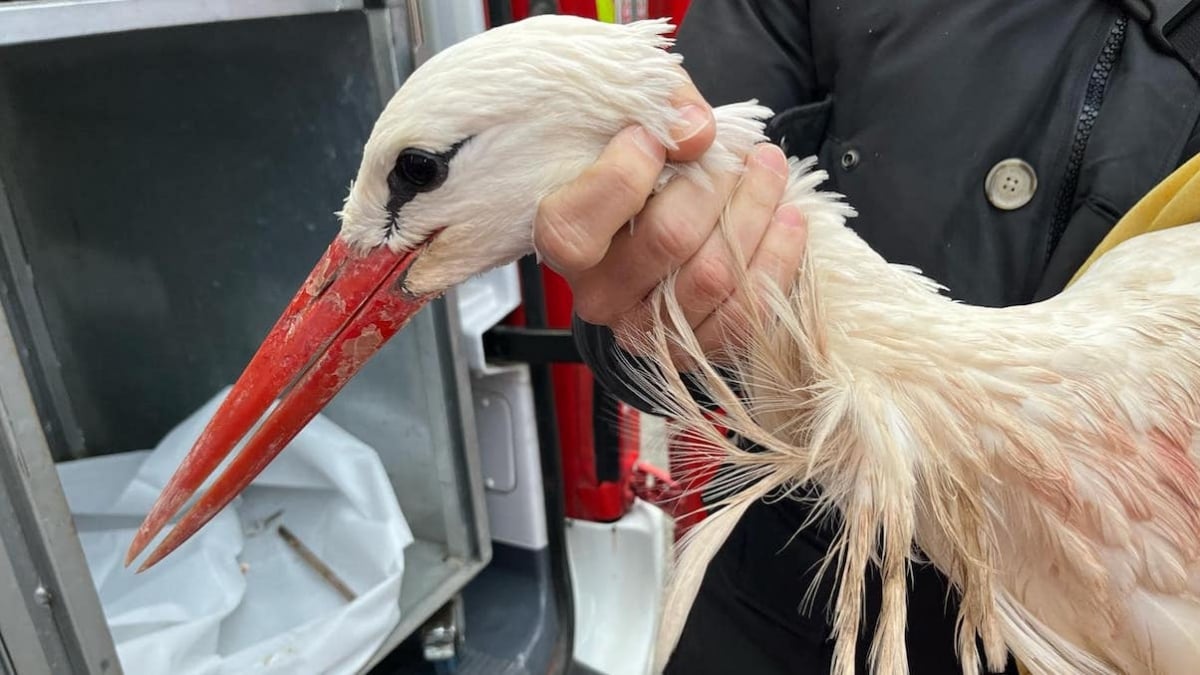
(162, 194)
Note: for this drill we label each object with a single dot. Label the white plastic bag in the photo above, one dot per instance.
(236, 598)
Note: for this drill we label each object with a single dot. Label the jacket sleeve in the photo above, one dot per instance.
(734, 50)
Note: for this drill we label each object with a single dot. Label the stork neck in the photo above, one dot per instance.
(859, 284)
(883, 317)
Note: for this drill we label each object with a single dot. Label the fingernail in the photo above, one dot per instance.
(694, 120)
(790, 216)
(771, 157)
(648, 144)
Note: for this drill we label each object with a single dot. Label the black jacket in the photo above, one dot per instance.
(910, 105)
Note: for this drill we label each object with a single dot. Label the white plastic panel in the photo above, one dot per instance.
(508, 442)
(504, 414)
(482, 302)
(494, 415)
(618, 571)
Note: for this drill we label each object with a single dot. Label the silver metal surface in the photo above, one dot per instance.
(40, 20)
(390, 50)
(434, 25)
(51, 587)
(419, 45)
(443, 634)
(27, 654)
(430, 580)
(447, 23)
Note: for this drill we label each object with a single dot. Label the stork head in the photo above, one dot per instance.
(461, 156)
(449, 183)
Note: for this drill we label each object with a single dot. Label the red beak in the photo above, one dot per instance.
(350, 305)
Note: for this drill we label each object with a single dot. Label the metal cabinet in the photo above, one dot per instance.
(168, 173)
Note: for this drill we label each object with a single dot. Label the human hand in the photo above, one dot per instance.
(581, 231)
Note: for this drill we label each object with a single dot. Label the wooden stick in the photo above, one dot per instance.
(315, 563)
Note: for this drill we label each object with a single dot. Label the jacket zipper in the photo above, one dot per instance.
(1092, 100)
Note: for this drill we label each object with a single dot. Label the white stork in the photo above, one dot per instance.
(1043, 456)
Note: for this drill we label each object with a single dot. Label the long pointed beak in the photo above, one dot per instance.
(350, 305)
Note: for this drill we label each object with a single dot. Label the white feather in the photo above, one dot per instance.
(696, 551)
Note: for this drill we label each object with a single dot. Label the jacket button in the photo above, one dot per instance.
(1010, 184)
(850, 159)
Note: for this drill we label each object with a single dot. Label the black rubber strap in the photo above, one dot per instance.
(1172, 25)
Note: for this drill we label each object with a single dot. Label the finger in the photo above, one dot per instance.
(574, 225)
(666, 234)
(697, 129)
(777, 259)
(709, 278)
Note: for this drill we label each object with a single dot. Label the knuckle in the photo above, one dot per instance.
(675, 240)
(713, 279)
(561, 239)
(620, 185)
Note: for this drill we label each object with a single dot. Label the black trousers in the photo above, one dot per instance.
(749, 619)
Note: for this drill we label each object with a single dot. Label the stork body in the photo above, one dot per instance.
(1044, 456)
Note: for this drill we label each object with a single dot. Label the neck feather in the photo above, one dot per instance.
(865, 379)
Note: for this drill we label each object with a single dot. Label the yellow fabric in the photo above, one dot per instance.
(1173, 202)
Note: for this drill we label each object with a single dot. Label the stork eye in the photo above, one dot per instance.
(418, 170)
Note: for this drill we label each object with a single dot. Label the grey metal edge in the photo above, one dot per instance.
(62, 428)
(57, 578)
(20, 649)
(40, 20)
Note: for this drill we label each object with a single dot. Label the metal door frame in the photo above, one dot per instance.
(51, 618)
